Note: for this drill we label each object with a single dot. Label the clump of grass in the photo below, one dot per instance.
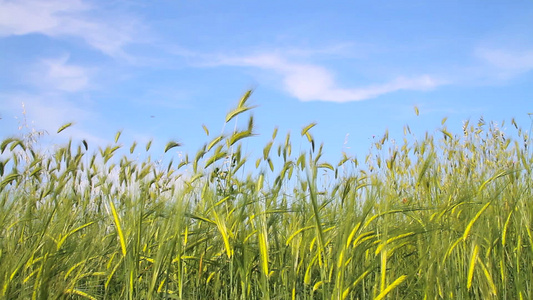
(445, 216)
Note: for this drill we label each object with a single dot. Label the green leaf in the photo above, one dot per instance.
(251, 123)
(215, 157)
(245, 98)
(198, 217)
(301, 161)
(425, 167)
(239, 136)
(5, 143)
(275, 133)
(116, 218)
(199, 156)
(184, 162)
(64, 127)
(325, 166)
(64, 238)
(259, 184)
(132, 148)
(9, 178)
(270, 164)
(344, 159)
(117, 136)
(17, 143)
(447, 134)
(108, 153)
(205, 129)
(306, 128)
(471, 266)
(214, 142)
(266, 150)
(392, 286)
(476, 217)
(148, 145)
(171, 145)
(239, 110)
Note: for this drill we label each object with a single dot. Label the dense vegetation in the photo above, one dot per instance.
(448, 216)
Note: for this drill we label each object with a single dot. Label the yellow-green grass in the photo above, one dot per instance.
(448, 216)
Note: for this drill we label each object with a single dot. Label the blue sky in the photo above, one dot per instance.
(159, 70)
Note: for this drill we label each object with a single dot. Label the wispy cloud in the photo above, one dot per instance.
(73, 18)
(309, 82)
(58, 74)
(48, 112)
(509, 63)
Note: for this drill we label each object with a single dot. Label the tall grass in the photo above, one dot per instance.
(448, 216)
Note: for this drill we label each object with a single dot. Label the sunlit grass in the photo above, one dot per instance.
(448, 216)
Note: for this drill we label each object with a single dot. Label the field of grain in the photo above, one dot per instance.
(445, 216)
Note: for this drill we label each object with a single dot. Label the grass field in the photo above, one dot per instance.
(446, 216)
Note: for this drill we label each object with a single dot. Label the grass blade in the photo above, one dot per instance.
(392, 286)
(118, 227)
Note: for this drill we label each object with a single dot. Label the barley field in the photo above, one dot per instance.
(447, 215)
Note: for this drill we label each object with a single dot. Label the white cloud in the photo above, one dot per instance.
(66, 18)
(309, 82)
(48, 113)
(509, 63)
(58, 74)
(23, 17)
